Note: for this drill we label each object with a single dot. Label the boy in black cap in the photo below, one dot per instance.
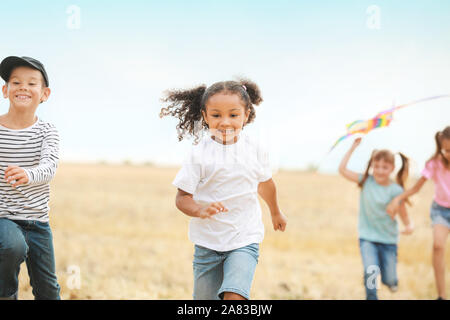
(28, 159)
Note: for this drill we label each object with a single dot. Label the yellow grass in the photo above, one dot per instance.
(120, 227)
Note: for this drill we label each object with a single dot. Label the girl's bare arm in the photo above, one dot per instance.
(405, 220)
(267, 190)
(394, 206)
(348, 174)
(186, 204)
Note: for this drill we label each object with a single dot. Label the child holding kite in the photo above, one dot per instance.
(378, 233)
(437, 169)
(219, 183)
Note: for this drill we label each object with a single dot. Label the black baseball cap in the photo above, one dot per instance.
(8, 64)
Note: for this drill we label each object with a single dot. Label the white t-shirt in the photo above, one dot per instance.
(230, 174)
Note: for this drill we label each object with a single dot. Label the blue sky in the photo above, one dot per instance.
(318, 64)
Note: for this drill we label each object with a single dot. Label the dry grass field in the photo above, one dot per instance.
(119, 227)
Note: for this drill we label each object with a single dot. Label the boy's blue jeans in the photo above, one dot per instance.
(32, 242)
(378, 258)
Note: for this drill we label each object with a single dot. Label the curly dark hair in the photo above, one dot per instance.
(187, 105)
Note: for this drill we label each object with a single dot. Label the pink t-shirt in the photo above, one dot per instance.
(435, 170)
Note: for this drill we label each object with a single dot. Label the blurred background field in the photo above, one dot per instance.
(118, 235)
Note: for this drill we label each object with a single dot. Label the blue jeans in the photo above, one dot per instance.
(32, 242)
(218, 272)
(378, 258)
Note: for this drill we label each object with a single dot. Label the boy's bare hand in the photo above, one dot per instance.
(17, 175)
(210, 210)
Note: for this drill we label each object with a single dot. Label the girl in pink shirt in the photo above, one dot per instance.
(437, 169)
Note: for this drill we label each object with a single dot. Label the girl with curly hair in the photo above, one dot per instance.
(219, 183)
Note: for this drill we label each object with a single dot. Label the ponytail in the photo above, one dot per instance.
(186, 105)
(252, 90)
(402, 174)
(366, 173)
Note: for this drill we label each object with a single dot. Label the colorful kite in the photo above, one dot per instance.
(382, 119)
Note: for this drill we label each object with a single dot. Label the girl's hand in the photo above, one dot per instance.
(279, 221)
(356, 142)
(17, 174)
(393, 207)
(210, 210)
(408, 229)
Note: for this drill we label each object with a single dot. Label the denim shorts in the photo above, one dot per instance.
(218, 272)
(440, 215)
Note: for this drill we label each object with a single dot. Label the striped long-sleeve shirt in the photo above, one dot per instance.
(35, 149)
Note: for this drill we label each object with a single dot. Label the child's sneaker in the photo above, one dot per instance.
(393, 288)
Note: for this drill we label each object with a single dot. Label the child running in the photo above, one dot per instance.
(219, 183)
(378, 233)
(28, 160)
(437, 169)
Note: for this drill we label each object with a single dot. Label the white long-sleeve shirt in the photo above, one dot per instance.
(35, 149)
